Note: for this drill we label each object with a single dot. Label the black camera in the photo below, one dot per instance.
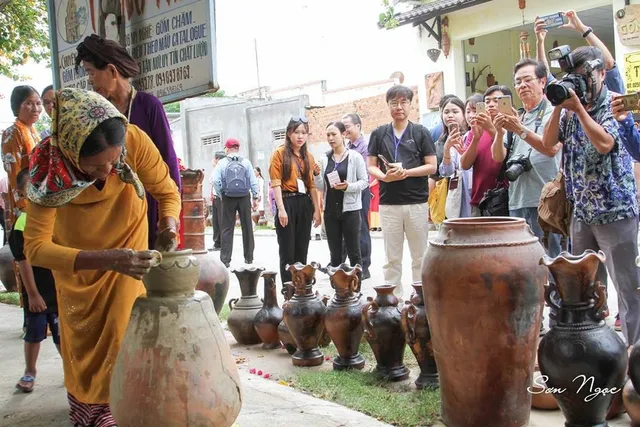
(558, 91)
(516, 166)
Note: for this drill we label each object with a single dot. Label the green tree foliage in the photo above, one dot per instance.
(174, 107)
(24, 34)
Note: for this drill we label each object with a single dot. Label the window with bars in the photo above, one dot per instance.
(214, 140)
(278, 135)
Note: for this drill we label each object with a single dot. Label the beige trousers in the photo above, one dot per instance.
(397, 222)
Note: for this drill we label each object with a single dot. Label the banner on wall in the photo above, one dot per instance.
(628, 25)
(172, 41)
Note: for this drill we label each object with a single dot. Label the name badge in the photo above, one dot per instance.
(333, 178)
(301, 187)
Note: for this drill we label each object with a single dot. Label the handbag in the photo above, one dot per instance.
(438, 201)
(454, 197)
(495, 202)
(554, 209)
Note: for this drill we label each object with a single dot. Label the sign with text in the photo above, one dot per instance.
(632, 72)
(628, 25)
(173, 42)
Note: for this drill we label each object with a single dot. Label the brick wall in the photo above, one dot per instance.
(373, 111)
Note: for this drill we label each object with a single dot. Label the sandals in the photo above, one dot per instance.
(29, 379)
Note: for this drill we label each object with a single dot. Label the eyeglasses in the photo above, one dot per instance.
(299, 120)
(525, 80)
(403, 104)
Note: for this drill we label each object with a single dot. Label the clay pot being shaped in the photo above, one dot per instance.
(581, 353)
(631, 400)
(541, 397)
(383, 330)
(174, 351)
(244, 310)
(283, 332)
(214, 276)
(7, 274)
(270, 315)
(483, 286)
(304, 315)
(343, 320)
(418, 337)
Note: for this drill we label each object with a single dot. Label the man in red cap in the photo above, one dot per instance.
(236, 183)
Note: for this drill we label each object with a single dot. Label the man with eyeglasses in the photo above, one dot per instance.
(406, 153)
(530, 165)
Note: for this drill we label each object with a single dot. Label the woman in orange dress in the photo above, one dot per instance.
(17, 142)
(87, 222)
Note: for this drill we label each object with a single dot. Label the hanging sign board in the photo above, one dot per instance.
(172, 41)
(632, 72)
(628, 25)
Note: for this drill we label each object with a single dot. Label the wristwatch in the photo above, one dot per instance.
(523, 135)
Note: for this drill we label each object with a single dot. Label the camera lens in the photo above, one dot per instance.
(514, 171)
(558, 92)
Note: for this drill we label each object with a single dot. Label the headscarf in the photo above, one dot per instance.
(111, 52)
(55, 176)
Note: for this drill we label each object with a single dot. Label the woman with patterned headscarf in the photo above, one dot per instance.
(87, 222)
(110, 69)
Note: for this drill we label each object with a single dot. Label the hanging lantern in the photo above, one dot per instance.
(491, 80)
(472, 41)
(433, 54)
(525, 50)
(522, 4)
(445, 41)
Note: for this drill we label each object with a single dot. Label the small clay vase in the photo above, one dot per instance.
(269, 317)
(174, 351)
(244, 310)
(631, 400)
(343, 320)
(283, 332)
(304, 315)
(383, 329)
(580, 353)
(418, 337)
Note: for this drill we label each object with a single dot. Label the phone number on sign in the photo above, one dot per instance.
(168, 90)
(173, 76)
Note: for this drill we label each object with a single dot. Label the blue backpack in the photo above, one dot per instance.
(236, 179)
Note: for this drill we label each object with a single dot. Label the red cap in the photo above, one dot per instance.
(232, 143)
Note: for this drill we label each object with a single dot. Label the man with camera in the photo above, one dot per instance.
(598, 174)
(529, 164)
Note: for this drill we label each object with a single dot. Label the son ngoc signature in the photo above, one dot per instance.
(540, 381)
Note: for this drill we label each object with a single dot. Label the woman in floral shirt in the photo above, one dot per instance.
(17, 142)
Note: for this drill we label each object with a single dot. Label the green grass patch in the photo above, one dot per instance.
(363, 391)
(12, 298)
(224, 313)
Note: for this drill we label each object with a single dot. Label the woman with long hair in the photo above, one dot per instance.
(478, 144)
(455, 129)
(17, 142)
(342, 180)
(291, 170)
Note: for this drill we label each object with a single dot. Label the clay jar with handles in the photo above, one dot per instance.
(383, 330)
(581, 353)
(304, 315)
(174, 351)
(270, 315)
(418, 338)
(343, 320)
(283, 332)
(244, 310)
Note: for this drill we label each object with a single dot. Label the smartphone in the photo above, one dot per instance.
(384, 160)
(481, 107)
(630, 101)
(555, 20)
(504, 105)
(453, 126)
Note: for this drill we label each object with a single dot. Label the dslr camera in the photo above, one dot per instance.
(558, 91)
(516, 166)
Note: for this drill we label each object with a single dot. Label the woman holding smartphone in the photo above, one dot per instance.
(478, 143)
(456, 126)
(342, 180)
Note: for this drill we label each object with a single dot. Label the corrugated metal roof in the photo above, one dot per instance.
(433, 9)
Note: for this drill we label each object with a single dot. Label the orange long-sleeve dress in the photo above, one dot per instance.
(94, 306)
(17, 142)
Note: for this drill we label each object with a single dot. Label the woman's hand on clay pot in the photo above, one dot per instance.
(167, 236)
(131, 263)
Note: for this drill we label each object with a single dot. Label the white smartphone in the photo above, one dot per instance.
(481, 107)
(504, 105)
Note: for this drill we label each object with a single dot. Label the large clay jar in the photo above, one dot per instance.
(241, 321)
(270, 315)
(383, 330)
(304, 316)
(418, 338)
(174, 351)
(343, 321)
(283, 332)
(581, 354)
(7, 273)
(214, 276)
(483, 288)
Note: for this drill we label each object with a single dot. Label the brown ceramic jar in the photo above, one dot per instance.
(343, 320)
(244, 310)
(383, 330)
(304, 316)
(269, 317)
(283, 332)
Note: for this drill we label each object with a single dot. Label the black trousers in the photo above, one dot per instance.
(293, 240)
(231, 205)
(343, 226)
(365, 236)
(216, 215)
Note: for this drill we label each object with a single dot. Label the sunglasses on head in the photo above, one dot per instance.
(299, 120)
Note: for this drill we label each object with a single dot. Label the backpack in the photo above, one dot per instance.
(236, 179)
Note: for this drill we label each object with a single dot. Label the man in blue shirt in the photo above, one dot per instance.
(234, 181)
(600, 184)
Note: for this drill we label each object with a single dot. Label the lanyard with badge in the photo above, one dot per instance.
(396, 143)
(302, 189)
(333, 177)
